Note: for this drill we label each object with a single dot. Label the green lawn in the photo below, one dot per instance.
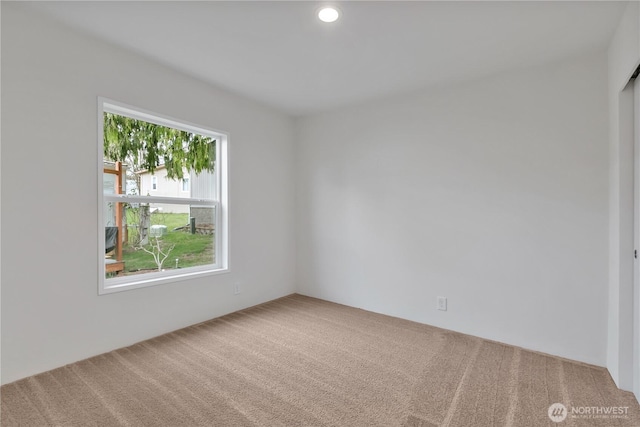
(190, 249)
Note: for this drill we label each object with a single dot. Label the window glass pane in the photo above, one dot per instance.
(163, 237)
(131, 186)
(109, 187)
(150, 240)
(108, 183)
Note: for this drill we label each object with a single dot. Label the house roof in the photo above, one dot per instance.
(146, 171)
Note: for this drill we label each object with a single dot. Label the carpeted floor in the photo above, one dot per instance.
(299, 361)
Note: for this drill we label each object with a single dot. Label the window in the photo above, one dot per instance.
(178, 232)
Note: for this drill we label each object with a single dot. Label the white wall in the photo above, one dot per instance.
(623, 58)
(491, 193)
(51, 311)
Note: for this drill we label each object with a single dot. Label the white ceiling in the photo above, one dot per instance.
(281, 54)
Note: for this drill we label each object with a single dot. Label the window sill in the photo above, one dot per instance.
(120, 284)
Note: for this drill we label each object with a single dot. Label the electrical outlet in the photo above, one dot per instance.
(442, 303)
(236, 288)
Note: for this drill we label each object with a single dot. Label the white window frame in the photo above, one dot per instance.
(221, 204)
(187, 180)
(154, 183)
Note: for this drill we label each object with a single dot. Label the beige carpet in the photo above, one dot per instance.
(299, 361)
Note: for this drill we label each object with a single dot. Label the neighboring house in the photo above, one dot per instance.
(157, 184)
(190, 186)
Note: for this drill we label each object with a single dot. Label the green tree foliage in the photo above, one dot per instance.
(145, 146)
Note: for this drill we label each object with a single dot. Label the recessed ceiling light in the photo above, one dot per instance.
(328, 14)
